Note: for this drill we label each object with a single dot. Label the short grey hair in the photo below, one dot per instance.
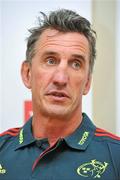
(62, 20)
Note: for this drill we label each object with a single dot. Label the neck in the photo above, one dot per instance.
(53, 128)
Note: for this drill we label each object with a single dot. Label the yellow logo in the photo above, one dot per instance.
(2, 170)
(92, 169)
(84, 138)
(21, 139)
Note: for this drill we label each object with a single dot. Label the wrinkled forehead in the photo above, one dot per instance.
(66, 39)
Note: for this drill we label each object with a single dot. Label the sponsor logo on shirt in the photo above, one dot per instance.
(93, 169)
(84, 138)
(21, 137)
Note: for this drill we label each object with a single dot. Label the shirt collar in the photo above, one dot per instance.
(83, 135)
(25, 136)
(80, 139)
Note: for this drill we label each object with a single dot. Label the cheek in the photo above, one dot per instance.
(40, 79)
(79, 85)
(75, 89)
(36, 79)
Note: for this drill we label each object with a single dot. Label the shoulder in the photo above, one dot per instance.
(102, 134)
(111, 146)
(7, 135)
(10, 132)
(109, 140)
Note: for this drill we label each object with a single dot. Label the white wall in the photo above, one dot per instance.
(18, 16)
(118, 67)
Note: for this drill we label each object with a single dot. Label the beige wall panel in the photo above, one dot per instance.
(104, 100)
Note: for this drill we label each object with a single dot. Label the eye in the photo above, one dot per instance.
(51, 61)
(76, 64)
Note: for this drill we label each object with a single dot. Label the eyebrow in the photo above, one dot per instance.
(49, 53)
(77, 56)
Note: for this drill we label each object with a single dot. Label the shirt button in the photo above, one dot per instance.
(38, 143)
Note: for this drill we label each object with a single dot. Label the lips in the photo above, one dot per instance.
(59, 94)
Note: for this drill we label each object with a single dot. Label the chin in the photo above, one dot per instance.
(57, 112)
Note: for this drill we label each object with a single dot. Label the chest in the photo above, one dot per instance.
(59, 163)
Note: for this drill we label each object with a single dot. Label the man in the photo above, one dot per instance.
(59, 142)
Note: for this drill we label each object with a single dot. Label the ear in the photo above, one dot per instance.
(26, 74)
(87, 85)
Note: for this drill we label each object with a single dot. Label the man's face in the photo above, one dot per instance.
(59, 73)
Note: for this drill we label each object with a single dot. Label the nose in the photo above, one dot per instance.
(60, 77)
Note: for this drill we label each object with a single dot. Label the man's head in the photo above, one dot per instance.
(64, 21)
(59, 61)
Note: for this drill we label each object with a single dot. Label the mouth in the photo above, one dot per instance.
(58, 94)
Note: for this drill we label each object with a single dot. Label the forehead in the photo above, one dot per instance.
(54, 38)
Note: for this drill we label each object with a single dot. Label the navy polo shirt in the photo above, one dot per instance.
(89, 153)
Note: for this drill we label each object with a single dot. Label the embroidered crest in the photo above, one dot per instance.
(2, 170)
(92, 169)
